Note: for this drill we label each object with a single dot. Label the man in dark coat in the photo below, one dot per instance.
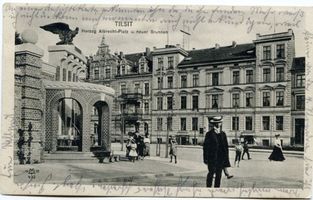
(215, 152)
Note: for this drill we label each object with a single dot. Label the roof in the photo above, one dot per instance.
(211, 55)
(298, 63)
(134, 57)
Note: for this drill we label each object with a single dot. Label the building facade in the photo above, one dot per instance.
(257, 87)
(53, 104)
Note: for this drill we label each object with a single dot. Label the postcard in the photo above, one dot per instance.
(156, 101)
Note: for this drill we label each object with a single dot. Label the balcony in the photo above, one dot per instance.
(132, 116)
(130, 95)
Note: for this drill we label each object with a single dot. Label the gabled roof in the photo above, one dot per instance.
(211, 55)
(134, 59)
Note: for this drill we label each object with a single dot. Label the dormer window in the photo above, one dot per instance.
(142, 68)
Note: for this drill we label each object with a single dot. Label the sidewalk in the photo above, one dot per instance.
(250, 149)
(122, 171)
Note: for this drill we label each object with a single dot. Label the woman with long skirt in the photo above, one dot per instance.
(277, 154)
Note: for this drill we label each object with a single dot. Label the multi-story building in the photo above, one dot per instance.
(130, 76)
(298, 101)
(254, 86)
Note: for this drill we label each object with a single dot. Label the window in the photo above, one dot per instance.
(159, 124)
(160, 103)
(169, 103)
(137, 88)
(267, 75)
(170, 81)
(280, 51)
(236, 77)
(123, 89)
(266, 98)
(142, 68)
(266, 123)
(249, 123)
(214, 100)
(123, 70)
(195, 123)
(183, 102)
(215, 79)
(147, 92)
(249, 99)
(195, 80)
(69, 76)
(235, 100)
(160, 82)
(183, 124)
(57, 74)
(183, 80)
(169, 123)
(280, 74)
(249, 76)
(300, 80)
(235, 124)
(74, 77)
(170, 62)
(279, 123)
(266, 52)
(64, 74)
(195, 102)
(279, 98)
(160, 63)
(300, 102)
(108, 73)
(146, 107)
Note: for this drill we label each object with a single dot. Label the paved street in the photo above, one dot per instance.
(189, 171)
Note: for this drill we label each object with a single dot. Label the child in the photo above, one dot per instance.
(238, 149)
(133, 151)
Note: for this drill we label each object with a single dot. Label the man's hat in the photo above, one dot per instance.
(217, 119)
(277, 135)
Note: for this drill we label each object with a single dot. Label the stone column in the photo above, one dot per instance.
(28, 65)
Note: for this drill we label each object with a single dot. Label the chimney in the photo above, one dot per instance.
(154, 48)
(148, 51)
(234, 44)
(121, 54)
(217, 46)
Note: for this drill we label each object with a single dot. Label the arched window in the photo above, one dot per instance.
(64, 74)
(57, 73)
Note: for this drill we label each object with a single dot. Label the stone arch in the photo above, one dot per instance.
(52, 120)
(106, 117)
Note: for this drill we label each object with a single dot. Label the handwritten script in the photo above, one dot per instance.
(175, 17)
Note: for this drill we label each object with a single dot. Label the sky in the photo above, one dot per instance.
(240, 24)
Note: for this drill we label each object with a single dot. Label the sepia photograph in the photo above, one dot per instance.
(156, 100)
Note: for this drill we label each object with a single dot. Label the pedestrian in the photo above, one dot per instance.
(245, 150)
(173, 149)
(141, 146)
(133, 151)
(128, 147)
(147, 145)
(277, 154)
(238, 150)
(215, 152)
